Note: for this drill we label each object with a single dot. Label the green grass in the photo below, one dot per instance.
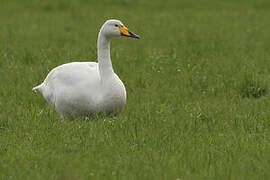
(198, 102)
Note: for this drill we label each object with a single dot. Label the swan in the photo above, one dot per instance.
(80, 89)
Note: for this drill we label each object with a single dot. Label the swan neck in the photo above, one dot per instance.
(104, 59)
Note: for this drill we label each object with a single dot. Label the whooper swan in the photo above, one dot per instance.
(79, 89)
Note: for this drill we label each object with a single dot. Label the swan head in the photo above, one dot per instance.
(115, 28)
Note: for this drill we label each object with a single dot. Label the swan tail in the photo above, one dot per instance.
(37, 88)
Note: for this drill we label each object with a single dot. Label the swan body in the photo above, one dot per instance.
(83, 88)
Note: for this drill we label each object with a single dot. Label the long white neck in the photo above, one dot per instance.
(104, 59)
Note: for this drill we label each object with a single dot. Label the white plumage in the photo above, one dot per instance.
(83, 88)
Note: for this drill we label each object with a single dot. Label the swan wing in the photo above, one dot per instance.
(72, 84)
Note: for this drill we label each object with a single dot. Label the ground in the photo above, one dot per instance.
(197, 81)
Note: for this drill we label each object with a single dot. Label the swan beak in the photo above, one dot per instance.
(125, 32)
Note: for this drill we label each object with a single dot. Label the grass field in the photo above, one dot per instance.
(197, 81)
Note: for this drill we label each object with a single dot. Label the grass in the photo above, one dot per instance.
(197, 83)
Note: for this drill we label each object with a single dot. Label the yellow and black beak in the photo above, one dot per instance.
(125, 32)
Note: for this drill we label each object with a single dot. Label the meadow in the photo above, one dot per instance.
(198, 97)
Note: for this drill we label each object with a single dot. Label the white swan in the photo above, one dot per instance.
(83, 88)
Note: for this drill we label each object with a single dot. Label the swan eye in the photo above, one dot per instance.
(116, 25)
